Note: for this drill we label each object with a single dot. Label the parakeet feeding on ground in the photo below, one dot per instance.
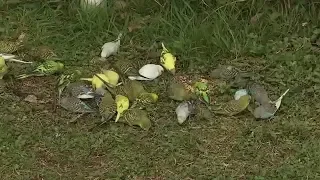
(9, 47)
(42, 53)
(96, 81)
(201, 89)
(3, 67)
(239, 93)
(184, 110)
(258, 93)
(49, 67)
(76, 105)
(107, 107)
(110, 48)
(224, 72)
(113, 77)
(133, 89)
(265, 111)
(122, 103)
(234, 107)
(177, 91)
(148, 72)
(144, 100)
(136, 117)
(80, 90)
(167, 60)
(126, 67)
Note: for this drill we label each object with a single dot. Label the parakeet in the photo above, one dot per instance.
(148, 72)
(3, 67)
(126, 67)
(80, 90)
(74, 104)
(107, 106)
(96, 81)
(133, 89)
(110, 48)
(184, 110)
(234, 107)
(167, 60)
(224, 72)
(112, 76)
(144, 100)
(122, 103)
(265, 111)
(65, 79)
(201, 89)
(258, 93)
(49, 67)
(239, 93)
(42, 53)
(177, 91)
(10, 47)
(278, 101)
(137, 117)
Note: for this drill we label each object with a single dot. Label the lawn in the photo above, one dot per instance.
(272, 39)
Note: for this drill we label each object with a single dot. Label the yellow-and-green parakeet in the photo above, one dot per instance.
(177, 91)
(137, 117)
(122, 103)
(46, 68)
(234, 107)
(202, 89)
(107, 106)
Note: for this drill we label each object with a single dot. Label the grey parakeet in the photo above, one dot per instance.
(224, 72)
(74, 104)
(184, 110)
(258, 93)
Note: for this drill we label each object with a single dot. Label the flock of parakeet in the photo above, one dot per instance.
(118, 93)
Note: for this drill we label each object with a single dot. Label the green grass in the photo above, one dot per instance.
(36, 142)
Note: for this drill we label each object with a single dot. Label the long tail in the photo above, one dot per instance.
(17, 60)
(86, 79)
(164, 49)
(139, 78)
(22, 76)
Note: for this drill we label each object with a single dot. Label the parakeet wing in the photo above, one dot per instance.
(136, 117)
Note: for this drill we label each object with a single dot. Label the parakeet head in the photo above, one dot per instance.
(60, 65)
(154, 97)
(2, 61)
(122, 103)
(201, 86)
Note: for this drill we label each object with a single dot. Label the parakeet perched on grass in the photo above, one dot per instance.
(49, 67)
(96, 81)
(42, 53)
(148, 72)
(167, 60)
(110, 48)
(12, 46)
(202, 89)
(107, 107)
(234, 107)
(122, 103)
(3, 67)
(184, 110)
(76, 105)
(136, 117)
(224, 72)
(177, 91)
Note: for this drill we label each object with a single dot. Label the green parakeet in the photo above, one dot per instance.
(42, 53)
(65, 79)
(12, 46)
(137, 117)
(3, 67)
(76, 105)
(107, 106)
(127, 67)
(234, 107)
(178, 92)
(224, 72)
(46, 68)
(145, 100)
(133, 89)
(201, 89)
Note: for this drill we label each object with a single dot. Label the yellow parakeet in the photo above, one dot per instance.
(167, 60)
(122, 103)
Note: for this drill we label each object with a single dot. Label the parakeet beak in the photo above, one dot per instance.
(173, 71)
